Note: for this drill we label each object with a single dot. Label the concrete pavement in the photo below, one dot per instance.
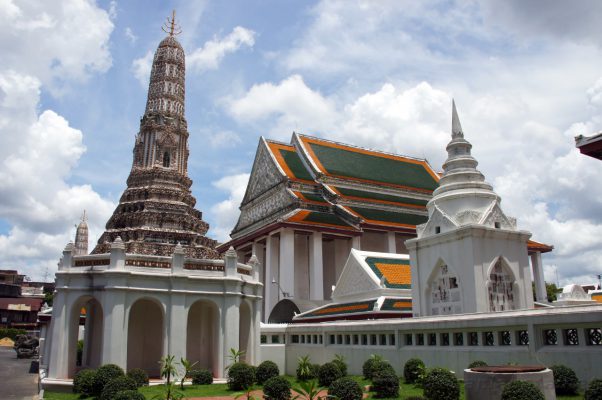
(16, 383)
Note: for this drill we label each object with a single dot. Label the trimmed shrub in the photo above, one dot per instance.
(201, 377)
(139, 376)
(104, 374)
(415, 398)
(521, 390)
(441, 384)
(315, 369)
(129, 395)
(382, 366)
(368, 366)
(339, 361)
(240, 376)
(117, 385)
(83, 383)
(277, 388)
(413, 370)
(565, 380)
(477, 363)
(328, 373)
(385, 384)
(345, 389)
(266, 370)
(594, 390)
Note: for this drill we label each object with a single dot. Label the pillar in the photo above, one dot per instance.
(540, 284)
(115, 328)
(391, 247)
(229, 329)
(356, 242)
(271, 273)
(231, 262)
(287, 262)
(117, 254)
(59, 337)
(316, 268)
(177, 320)
(177, 260)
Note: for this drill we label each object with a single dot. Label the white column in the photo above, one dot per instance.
(391, 246)
(115, 328)
(540, 284)
(287, 262)
(59, 337)
(356, 242)
(230, 328)
(177, 318)
(271, 272)
(316, 268)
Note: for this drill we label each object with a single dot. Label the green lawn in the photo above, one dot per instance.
(221, 389)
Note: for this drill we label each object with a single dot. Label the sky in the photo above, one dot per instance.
(526, 77)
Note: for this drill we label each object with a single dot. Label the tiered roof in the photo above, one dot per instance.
(330, 186)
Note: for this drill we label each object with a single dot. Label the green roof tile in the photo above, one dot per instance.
(325, 218)
(390, 216)
(314, 197)
(353, 164)
(291, 158)
(389, 305)
(379, 196)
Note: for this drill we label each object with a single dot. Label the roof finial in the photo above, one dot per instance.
(456, 127)
(170, 26)
(84, 217)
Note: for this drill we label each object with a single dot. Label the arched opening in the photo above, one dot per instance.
(444, 293)
(85, 335)
(284, 311)
(244, 333)
(202, 333)
(500, 287)
(166, 159)
(145, 336)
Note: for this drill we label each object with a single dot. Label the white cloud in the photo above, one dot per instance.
(141, 67)
(226, 212)
(224, 139)
(37, 154)
(55, 42)
(213, 51)
(129, 34)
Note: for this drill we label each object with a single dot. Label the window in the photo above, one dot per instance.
(264, 339)
(166, 159)
(275, 339)
(392, 339)
(295, 339)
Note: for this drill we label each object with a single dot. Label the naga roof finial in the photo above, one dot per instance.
(170, 27)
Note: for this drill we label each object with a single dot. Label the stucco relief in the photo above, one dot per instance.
(445, 293)
(354, 281)
(468, 217)
(438, 219)
(500, 288)
(279, 199)
(495, 214)
(263, 176)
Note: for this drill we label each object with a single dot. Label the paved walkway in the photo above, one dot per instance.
(16, 383)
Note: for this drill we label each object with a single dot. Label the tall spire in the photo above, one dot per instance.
(81, 237)
(170, 27)
(456, 127)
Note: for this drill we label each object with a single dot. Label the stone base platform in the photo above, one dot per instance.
(488, 382)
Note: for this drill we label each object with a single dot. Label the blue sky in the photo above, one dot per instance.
(526, 80)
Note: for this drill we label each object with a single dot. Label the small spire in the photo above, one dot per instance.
(456, 127)
(84, 217)
(170, 27)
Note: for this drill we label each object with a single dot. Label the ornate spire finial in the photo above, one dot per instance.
(170, 27)
(456, 127)
(84, 217)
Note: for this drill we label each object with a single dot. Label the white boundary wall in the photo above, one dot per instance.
(569, 335)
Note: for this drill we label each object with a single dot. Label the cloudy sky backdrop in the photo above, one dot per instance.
(526, 76)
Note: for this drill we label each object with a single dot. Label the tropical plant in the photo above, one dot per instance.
(304, 369)
(236, 355)
(277, 388)
(168, 369)
(187, 368)
(345, 389)
(339, 361)
(307, 390)
(413, 370)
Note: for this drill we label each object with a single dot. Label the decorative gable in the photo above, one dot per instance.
(354, 279)
(265, 174)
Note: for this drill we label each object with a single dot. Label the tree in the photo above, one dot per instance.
(551, 291)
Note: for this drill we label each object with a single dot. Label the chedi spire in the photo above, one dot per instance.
(156, 211)
(81, 237)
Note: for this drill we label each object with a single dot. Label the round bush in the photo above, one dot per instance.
(565, 380)
(345, 389)
(83, 383)
(117, 385)
(139, 376)
(277, 388)
(368, 366)
(386, 384)
(240, 376)
(521, 390)
(104, 374)
(201, 377)
(594, 390)
(307, 374)
(129, 395)
(441, 384)
(266, 370)
(477, 363)
(328, 373)
(382, 366)
(413, 370)
(341, 365)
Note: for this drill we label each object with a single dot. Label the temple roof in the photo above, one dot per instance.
(590, 145)
(374, 308)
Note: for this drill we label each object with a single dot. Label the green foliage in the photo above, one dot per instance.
(367, 368)
(129, 395)
(413, 370)
(339, 361)
(168, 368)
(117, 385)
(441, 384)
(266, 370)
(11, 333)
(80, 352)
(201, 377)
(48, 298)
(236, 355)
(305, 371)
(477, 363)
(415, 398)
(187, 368)
(594, 390)
(565, 380)
(139, 376)
(277, 388)
(308, 390)
(551, 291)
(345, 389)
(83, 383)
(328, 373)
(104, 374)
(386, 384)
(240, 376)
(521, 390)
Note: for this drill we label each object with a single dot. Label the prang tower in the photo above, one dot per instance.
(156, 211)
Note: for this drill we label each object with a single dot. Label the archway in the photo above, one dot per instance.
(500, 287)
(202, 333)
(145, 336)
(245, 335)
(443, 291)
(85, 324)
